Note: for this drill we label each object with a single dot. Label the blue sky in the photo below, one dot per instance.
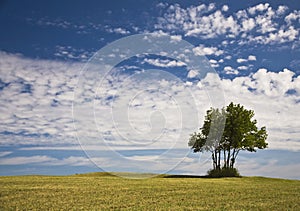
(60, 116)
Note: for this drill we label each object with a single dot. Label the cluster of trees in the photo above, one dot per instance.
(226, 132)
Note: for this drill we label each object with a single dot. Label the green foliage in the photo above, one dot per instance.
(211, 132)
(224, 172)
(104, 192)
(227, 131)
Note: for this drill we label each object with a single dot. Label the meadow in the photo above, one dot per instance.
(101, 191)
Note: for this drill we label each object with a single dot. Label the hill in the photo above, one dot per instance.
(103, 191)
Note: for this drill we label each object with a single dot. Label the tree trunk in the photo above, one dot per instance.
(213, 158)
(216, 159)
(234, 157)
(228, 157)
(224, 158)
(232, 160)
(219, 159)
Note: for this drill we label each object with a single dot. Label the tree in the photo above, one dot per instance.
(226, 132)
(210, 137)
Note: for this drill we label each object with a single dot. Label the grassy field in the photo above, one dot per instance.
(100, 191)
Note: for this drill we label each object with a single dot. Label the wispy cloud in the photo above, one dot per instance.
(46, 161)
(26, 160)
(3, 154)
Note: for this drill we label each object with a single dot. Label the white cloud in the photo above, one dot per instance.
(3, 154)
(248, 164)
(164, 62)
(251, 58)
(257, 24)
(248, 24)
(162, 5)
(258, 8)
(265, 92)
(267, 167)
(72, 53)
(240, 60)
(292, 17)
(48, 161)
(242, 68)
(212, 61)
(225, 8)
(176, 38)
(55, 23)
(273, 84)
(265, 24)
(211, 7)
(72, 161)
(201, 50)
(192, 74)
(118, 30)
(230, 70)
(228, 57)
(192, 21)
(25, 160)
(281, 9)
(281, 36)
(159, 33)
(46, 106)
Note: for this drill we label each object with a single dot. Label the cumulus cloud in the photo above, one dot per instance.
(202, 50)
(293, 16)
(176, 37)
(230, 70)
(248, 24)
(258, 24)
(228, 57)
(240, 60)
(281, 9)
(251, 58)
(118, 30)
(192, 74)
(243, 60)
(242, 68)
(215, 63)
(72, 53)
(274, 84)
(225, 8)
(36, 109)
(258, 8)
(193, 21)
(36, 100)
(281, 36)
(164, 62)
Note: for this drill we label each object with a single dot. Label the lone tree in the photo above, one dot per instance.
(224, 134)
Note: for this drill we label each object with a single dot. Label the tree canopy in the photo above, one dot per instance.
(226, 132)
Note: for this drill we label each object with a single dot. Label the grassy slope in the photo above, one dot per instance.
(101, 191)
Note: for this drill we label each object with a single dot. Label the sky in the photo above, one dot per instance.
(120, 85)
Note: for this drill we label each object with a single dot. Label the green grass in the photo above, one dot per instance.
(100, 191)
